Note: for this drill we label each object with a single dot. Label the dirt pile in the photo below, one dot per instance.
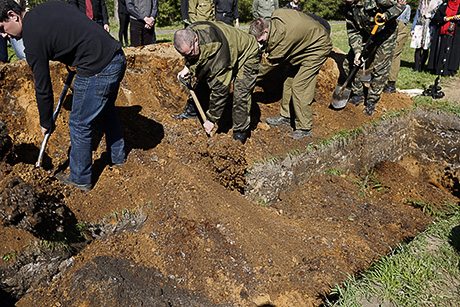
(175, 226)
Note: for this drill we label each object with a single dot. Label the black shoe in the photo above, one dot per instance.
(65, 179)
(300, 133)
(240, 136)
(189, 112)
(356, 100)
(369, 109)
(390, 87)
(278, 120)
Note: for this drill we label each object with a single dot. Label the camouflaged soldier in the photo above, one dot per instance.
(360, 18)
(300, 41)
(217, 53)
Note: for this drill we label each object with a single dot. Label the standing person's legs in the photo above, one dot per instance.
(108, 116)
(91, 96)
(123, 32)
(147, 36)
(424, 57)
(243, 87)
(303, 93)
(154, 36)
(380, 70)
(417, 60)
(136, 31)
(287, 91)
(403, 34)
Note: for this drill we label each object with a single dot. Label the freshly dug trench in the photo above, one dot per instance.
(202, 240)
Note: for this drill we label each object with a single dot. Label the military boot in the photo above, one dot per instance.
(240, 136)
(390, 87)
(189, 112)
(369, 109)
(356, 100)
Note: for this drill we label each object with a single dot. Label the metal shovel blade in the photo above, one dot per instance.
(340, 97)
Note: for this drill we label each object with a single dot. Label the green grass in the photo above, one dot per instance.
(424, 272)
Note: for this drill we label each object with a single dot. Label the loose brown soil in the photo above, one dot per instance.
(176, 225)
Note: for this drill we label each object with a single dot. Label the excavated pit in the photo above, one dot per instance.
(197, 221)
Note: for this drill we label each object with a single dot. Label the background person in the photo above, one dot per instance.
(56, 31)
(123, 16)
(201, 10)
(264, 8)
(294, 5)
(227, 11)
(142, 14)
(403, 35)
(421, 32)
(184, 11)
(445, 49)
(95, 10)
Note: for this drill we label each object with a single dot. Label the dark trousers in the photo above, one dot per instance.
(227, 18)
(140, 35)
(420, 57)
(123, 32)
(3, 50)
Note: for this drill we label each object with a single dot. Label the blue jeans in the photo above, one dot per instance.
(94, 98)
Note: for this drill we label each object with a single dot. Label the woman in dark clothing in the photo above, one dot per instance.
(123, 15)
(445, 55)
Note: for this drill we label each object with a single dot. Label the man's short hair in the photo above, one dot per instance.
(257, 27)
(9, 5)
(183, 37)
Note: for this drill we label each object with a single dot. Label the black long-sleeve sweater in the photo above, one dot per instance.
(57, 31)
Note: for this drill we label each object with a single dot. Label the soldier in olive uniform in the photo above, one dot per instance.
(300, 41)
(201, 10)
(360, 17)
(217, 53)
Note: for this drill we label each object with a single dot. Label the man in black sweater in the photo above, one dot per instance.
(57, 31)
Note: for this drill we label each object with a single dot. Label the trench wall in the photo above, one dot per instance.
(427, 135)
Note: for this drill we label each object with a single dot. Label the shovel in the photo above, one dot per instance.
(195, 99)
(67, 84)
(342, 92)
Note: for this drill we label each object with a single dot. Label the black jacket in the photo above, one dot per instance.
(438, 48)
(99, 9)
(56, 31)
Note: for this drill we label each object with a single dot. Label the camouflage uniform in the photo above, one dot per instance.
(226, 53)
(303, 43)
(360, 18)
(201, 10)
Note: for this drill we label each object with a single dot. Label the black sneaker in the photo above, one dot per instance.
(240, 136)
(300, 133)
(356, 100)
(65, 179)
(278, 120)
(390, 87)
(369, 109)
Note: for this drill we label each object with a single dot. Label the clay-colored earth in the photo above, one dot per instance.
(201, 238)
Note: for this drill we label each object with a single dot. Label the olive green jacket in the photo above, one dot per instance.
(360, 18)
(201, 10)
(294, 36)
(223, 51)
